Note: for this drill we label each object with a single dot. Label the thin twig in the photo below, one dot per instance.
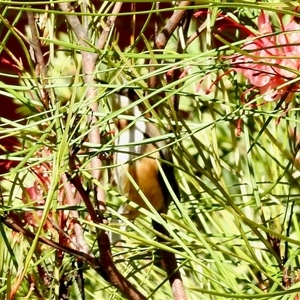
(109, 23)
(72, 201)
(166, 33)
(88, 68)
(170, 265)
(116, 278)
(41, 65)
(76, 181)
(36, 45)
(13, 222)
(120, 282)
(163, 37)
(196, 34)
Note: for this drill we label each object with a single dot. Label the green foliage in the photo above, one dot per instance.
(234, 230)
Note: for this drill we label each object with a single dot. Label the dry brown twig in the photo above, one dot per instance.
(13, 222)
(170, 264)
(73, 201)
(110, 21)
(164, 36)
(38, 57)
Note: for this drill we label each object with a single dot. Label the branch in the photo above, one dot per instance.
(38, 56)
(105, 267)
(13, 222)
(166, 33)
(72, 201)
(74, 22)
(109, 23)
(164, 36)
(170, 264)
(88, 69)
(116, 278)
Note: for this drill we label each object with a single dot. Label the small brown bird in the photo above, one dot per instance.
(131, 158)
(144, 171)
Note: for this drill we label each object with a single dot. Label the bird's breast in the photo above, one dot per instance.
(142, 171)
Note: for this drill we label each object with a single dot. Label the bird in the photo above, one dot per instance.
(139, 159)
